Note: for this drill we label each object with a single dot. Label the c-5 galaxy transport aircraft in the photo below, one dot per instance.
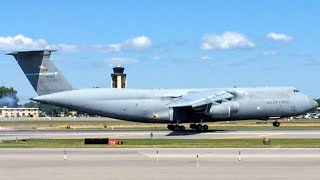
(174, 106)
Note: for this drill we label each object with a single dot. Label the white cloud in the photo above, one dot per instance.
(205, 58)
(227, 40)
(121, 61)
(270, 53)
(141, 42)
(65, 47)
(21, 42)
(132, 44)
(279, 37)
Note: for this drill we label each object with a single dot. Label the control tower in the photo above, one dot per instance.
(118, 79)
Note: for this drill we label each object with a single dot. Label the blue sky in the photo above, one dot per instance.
(168, 43)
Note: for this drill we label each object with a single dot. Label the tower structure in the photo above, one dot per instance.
(118, 78)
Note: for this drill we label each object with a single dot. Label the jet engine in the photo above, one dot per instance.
(224, 110)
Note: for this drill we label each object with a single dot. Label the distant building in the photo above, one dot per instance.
(118, 79)
(6, 112)
(68, 114)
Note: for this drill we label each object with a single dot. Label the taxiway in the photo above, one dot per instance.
(47, 164)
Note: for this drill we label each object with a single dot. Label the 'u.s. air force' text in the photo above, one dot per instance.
(277, 102)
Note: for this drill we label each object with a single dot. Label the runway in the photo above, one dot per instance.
(177, 163)
(293, 134)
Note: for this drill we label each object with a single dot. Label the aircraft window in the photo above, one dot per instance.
(295, 90)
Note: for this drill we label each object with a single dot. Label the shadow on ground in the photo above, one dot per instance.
(192, 132)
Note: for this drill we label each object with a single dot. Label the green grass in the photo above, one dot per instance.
(166, 143)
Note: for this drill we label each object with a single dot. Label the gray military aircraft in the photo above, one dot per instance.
(171, 106)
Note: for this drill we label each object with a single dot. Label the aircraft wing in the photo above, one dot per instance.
(200, 98)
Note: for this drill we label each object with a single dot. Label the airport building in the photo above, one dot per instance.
(118, 79)
(6, 112)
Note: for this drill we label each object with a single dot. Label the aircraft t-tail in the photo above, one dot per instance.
(171, 106)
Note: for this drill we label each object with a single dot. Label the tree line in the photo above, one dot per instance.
(8, 98)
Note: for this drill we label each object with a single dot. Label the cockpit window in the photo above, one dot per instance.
(296, 90)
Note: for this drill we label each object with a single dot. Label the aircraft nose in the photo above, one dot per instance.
(313, 104)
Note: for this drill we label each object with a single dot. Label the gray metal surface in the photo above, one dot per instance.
(151, 105)
(43, 75)
(293, 134)
(47, 164)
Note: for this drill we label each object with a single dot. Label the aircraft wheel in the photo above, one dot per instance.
(199, 127)
(170, 127)
(193, 126)
(205, 127)
(276, 124)
(182, 128)
(176, 128)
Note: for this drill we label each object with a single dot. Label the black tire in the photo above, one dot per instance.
(192, 126)
(176, 128)
(170, 127)
(205, 127)
(199, 127)
(182, 128)
(276, 124)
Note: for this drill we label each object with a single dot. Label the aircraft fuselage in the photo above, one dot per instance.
(151, 105)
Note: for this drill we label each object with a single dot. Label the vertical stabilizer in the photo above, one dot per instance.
(43, 75)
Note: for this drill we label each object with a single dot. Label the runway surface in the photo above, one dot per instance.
(294, 134)
(47, 164)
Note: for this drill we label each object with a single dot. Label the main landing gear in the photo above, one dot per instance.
(198, 127)
(176, 127)
(276, 124)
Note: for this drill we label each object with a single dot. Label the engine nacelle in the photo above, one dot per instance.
(224, 110)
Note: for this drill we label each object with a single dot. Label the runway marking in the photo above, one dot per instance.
(235, 156)
(262, 135)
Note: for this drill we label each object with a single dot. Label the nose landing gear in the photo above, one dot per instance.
(205, 127)
(276, 124)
